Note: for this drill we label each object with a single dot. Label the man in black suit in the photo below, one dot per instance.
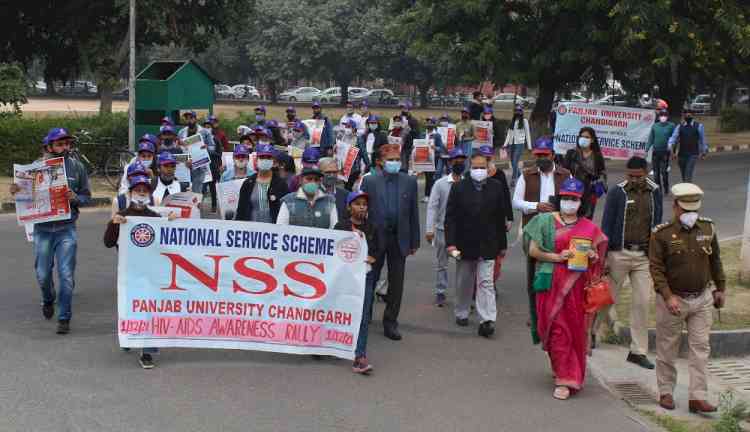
(394, 212)
(475, 234)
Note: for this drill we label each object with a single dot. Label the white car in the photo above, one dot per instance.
(509, 100)
(301, 94)
(616, 100)
(357, 93)
(245, 91)
(702, 103)
(331, 94)
(223, 91)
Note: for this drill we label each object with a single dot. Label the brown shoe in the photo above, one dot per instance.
(667, 402)
(701, 406)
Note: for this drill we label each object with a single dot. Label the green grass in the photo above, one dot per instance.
(736, 312)
(672, 424)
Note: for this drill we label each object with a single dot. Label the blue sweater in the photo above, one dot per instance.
(613, 221)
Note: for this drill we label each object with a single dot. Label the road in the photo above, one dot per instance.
(439, 378)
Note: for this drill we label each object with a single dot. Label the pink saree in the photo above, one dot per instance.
(563, 325)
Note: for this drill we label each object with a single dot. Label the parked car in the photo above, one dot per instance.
(357, 94)
(223, 91)
(509, 100)
(381, 97)
(245, 91)
(702, 103)
(38, 87)
(301, 94)
(331, 95)
(77, 87)
(617, 100)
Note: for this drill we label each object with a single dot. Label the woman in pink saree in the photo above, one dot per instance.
(562, 325)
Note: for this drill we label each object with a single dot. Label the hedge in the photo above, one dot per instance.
(735, 119)
(21, 138)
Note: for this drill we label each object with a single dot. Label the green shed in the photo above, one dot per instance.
(166, 87)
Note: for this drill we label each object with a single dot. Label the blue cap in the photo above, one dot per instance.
(431, 121)
(137, 180)
(486, 151)
(456, 153)
(272, 124)
(55, 134)
(189, 113)
(316, 104)
(264, 150)
(465, 108)
(260, 130)
(572, 187)
(149, 138)
(298, 125)
(167, 129)
(354, 195)
(167, 121)
(351, 123)
(241, 150)
(372, 118)
(261, 108)
(487, 109)
(166, 158)
(136, 168)
(543, 145)
(291, 109)
(146, 146)
(311, 155)
(212, 118)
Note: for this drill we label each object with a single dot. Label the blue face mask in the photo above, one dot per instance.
(310, 188)
(259, 117)
(392, 167)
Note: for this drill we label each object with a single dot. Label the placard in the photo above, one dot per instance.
(43, 191)
(422, 156)
(228, 194)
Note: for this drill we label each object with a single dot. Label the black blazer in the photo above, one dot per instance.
(475, 220)
(276, 191)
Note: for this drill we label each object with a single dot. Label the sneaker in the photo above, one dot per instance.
(439, 299)
(641, 360)
(146, 361)
(426, 199)
(486, 329)
(462, 322)
(48, 310)
(361, 366)
(63, 327)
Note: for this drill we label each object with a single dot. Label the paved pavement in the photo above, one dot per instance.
(440, 377)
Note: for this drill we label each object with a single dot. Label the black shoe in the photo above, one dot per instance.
(392, 333)
(146, 361)
(63, 327)
(48, 310)
(593, 341)
(486, 329)
(462, 322)
(641, 360)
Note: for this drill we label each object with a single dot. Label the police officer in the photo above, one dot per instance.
(684, 257)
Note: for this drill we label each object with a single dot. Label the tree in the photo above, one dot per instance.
(13, 86)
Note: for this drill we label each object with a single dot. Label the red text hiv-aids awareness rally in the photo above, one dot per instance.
(224, 284)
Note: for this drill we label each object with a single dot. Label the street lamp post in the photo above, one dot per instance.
(131, 79)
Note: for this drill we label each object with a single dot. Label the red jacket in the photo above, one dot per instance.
(221, 137)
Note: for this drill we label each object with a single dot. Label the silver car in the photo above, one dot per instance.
(702, 103)
(301, 94)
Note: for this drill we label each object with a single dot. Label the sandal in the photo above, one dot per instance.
(561, 393)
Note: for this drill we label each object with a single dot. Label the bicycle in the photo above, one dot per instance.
(107, 158)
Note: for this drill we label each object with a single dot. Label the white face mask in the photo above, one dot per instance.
(348, 132)
(265, 164)
(478, 174)
(584, 142)
(396, 125)
(140, 200)
(146, 162)
(444, 124)
(569, 207)
(688, 219)
(663, 119)
(240, 163)
(372, 126)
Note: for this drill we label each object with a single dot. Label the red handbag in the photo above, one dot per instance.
(597, 295)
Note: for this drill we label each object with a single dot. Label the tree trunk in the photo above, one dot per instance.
(424, 88)
(344, 91)
(105, 101)
(273, 90)
(540, 117)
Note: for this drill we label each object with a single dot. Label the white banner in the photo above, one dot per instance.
(622, 132)
(239, 285)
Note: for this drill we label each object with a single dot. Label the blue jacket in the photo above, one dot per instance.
(327, 140)
(408, 211)
(615, 209)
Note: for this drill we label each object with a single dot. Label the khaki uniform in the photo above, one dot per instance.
(683, 261)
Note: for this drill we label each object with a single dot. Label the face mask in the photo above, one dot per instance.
(373, 127)
(265, 164)
(168, 143)
(348, 132)
(140, 200)
(663, 119)
(487, 118)
(329, 181)
(350, 111)
(264, 142)
(396, 125)
(458, 168)
(544, 165)
(688, 219)
(310, 188)
(259, 117)
(689, 119)
(444, 124)
(584, 142)
(241, 163)
(147, 162)
(569, 207)
(392, 167)
(478, 174)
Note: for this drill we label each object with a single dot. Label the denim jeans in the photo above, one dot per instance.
(364, 325)
(441, 168)
(516, 151)
(58, 244)
(687, 166)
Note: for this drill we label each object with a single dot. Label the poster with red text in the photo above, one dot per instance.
(348, 163)
(43, 191)
(239, 285)
(448, 135)
(482, 133)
